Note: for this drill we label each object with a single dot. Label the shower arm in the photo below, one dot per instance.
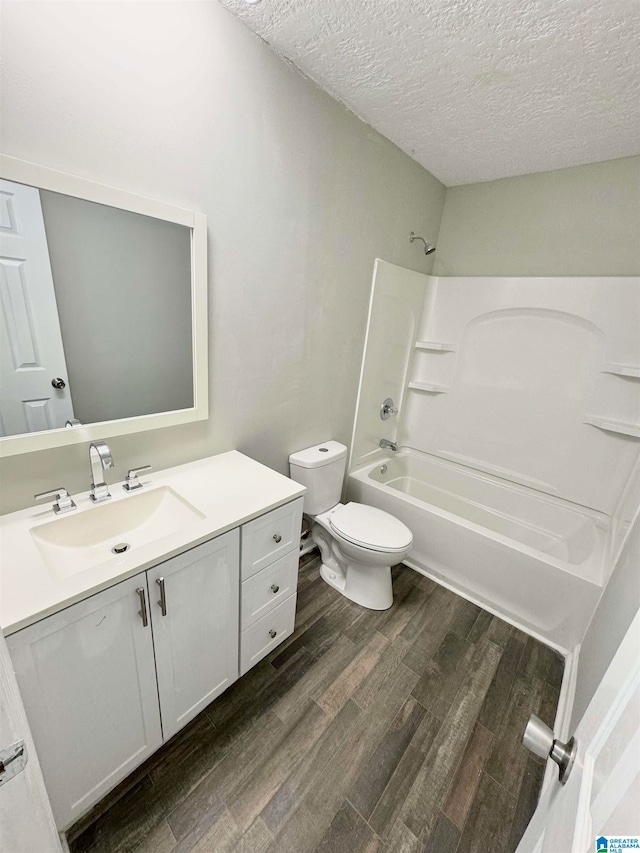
(428, 247)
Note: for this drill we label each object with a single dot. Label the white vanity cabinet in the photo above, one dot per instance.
(88, 674)
(107, 680)
(88, 682)
(193, 603)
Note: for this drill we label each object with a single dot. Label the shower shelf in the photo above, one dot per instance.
(429, 387)
(609, 425)
(435, 346)
(630, 370)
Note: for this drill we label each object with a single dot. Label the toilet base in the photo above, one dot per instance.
(369, 587)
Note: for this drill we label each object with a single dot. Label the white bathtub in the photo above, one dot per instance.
(535, 560)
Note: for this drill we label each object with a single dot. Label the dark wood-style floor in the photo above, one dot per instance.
(392, 732)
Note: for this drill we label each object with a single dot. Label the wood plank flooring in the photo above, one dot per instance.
(365, 732)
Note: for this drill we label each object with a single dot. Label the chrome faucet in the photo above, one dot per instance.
(100, 459)
(388, 445)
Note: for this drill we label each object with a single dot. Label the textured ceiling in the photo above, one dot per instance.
(473, 89)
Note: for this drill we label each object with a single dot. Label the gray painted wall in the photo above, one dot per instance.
(180, 102)
(579, 221)
(123, 290)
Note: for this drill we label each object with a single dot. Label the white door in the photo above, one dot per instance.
(31, 351)
(195, 627)
(601, 798)
(26, 821)
(88, 684)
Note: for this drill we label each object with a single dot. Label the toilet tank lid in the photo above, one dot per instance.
(318, 455)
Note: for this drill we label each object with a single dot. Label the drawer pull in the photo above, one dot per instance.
(275, 588)
(277, 538)
(162, 601)
(273, 633)
(143, 606)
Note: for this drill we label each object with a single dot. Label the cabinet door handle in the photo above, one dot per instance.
(143, 606)
(163, 599)
(277, 538)
(275, 588)
(272, 633)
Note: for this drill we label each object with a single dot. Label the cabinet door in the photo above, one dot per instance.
(87, 680)
(195, 631)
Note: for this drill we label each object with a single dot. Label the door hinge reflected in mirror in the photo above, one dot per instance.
(12, 761)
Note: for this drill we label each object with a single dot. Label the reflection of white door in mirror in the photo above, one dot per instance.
(105, 244)
(31, 350)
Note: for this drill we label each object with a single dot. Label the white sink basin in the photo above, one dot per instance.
(82, 540)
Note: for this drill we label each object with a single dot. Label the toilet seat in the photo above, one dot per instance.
(370, 528)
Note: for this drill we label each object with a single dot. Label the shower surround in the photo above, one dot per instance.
(518, 432)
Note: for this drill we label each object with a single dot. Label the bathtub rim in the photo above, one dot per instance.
(598, 571)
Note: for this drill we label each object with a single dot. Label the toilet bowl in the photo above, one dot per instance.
(358, 543)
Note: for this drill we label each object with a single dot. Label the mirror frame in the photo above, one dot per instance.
(42, 177)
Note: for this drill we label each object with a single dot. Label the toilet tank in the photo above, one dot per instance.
(321, 469)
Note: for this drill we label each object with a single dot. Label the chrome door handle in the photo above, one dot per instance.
(163, 598)
(275, 588)
(539, 738)
(143, 606)
(58, 383)
(277, 538)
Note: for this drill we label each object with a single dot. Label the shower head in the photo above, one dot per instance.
(428, 247)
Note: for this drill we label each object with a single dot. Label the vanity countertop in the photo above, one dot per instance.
(227, 490)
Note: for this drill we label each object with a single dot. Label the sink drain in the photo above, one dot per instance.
(120, 548)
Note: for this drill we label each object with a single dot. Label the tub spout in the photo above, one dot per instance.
(388, 445)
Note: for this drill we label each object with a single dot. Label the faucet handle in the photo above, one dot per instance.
(387, 409)
(64, 502)
(131, 480)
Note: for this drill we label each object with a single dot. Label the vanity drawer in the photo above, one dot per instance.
(267, 633)
(269, 537)
(267, 589)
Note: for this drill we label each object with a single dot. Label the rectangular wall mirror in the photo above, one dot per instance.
(103, 311)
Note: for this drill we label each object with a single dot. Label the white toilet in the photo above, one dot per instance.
(358, 543)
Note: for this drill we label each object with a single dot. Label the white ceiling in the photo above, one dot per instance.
(473, 89)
